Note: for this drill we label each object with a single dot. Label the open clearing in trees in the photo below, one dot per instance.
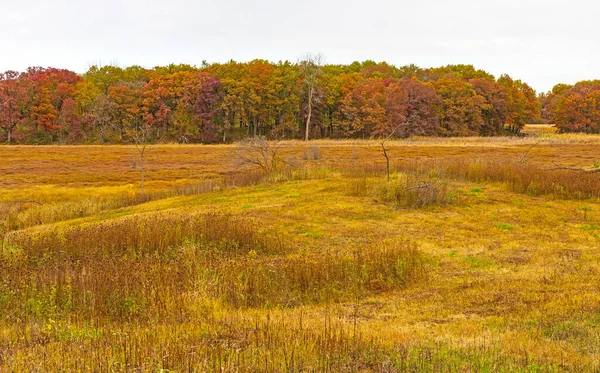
(480, 254)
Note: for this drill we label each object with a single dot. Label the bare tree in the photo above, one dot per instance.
(389, 136)
(387, 157)
(258, 152)
(310, 66)
(142, 136)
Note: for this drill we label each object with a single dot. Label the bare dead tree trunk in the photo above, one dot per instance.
(387, 160)
(141, 134)
(385, 153)
(9, 130)
(310, 94)
(311, 69)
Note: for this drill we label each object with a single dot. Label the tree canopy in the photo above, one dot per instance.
(228, 101)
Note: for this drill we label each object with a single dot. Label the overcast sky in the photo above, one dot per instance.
(542, 42)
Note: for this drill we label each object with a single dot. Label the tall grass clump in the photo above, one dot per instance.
(142, 235)
(138, 267)
(330, 277)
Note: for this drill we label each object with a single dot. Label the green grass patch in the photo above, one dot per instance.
(477, 262)
(505, 227)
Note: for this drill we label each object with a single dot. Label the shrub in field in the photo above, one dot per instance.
(414, 191)
(258, 152)
(313, 153)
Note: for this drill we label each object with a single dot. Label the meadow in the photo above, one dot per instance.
(478, 255)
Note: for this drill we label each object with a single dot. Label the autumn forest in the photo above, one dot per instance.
(226, 102)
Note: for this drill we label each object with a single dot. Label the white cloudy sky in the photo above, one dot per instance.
(542, 42)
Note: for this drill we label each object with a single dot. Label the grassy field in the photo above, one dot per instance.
(479, 255)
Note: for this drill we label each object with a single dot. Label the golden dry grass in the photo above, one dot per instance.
(168, 165)
(539, 129)
(308, 270)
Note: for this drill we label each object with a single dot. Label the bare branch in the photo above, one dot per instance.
(525, 156)
(258, 152)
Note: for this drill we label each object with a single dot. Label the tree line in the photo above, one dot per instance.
(223, 102)
(573, 108)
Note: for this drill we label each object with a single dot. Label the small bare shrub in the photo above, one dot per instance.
(414, 191)
(313, 153)
(259, 153)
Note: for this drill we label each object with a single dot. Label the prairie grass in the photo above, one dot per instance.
(271, 343)
(323, 266)
(424, 179)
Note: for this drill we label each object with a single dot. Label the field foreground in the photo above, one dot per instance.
(478, 255)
